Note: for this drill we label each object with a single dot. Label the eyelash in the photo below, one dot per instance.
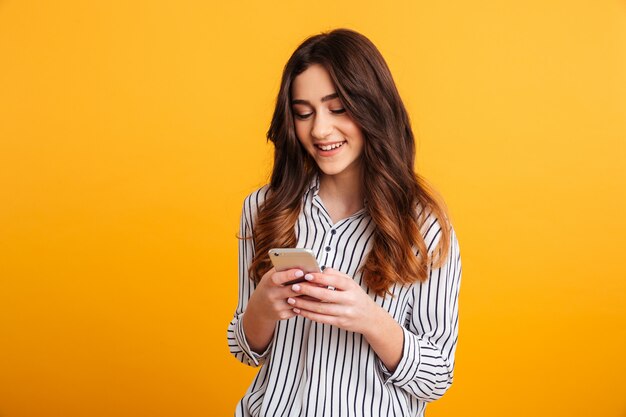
(306, 116)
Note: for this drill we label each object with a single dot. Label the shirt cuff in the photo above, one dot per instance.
(254, 359)
(409, 364)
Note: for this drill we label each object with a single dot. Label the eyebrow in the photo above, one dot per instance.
(325, 98)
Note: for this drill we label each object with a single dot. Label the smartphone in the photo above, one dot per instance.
(290, 258)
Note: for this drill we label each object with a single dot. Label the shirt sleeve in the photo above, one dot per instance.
(426, 368)
(237, 342)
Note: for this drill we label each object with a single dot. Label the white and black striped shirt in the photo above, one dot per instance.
(312, 369)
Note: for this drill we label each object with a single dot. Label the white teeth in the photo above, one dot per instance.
(330, 147)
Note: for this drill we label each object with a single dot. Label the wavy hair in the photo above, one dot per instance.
(394, 191)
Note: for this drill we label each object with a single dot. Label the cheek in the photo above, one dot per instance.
(351, 128)
(301, 132)
(356, 134)
(358, 139)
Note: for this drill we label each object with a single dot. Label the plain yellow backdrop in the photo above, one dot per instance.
(131, 131)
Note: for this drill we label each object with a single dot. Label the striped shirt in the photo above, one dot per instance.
(312, 369)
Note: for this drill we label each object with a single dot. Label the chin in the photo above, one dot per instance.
(328, 169)
(336, 168)
(331, 172)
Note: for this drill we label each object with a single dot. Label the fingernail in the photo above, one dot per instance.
(298, 274)
(295, 287)
(308, 277)
(291, 300)
(296, 310)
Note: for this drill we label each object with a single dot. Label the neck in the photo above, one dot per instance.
(342, 194)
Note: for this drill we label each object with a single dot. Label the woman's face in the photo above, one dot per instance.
(322, 124)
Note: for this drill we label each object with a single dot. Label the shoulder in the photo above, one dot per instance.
(257, 197)
(252, 202)
(433, 229)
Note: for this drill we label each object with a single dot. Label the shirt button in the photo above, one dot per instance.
(328, 248)
(333, 232)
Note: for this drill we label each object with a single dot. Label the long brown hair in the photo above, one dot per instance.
(393, 192)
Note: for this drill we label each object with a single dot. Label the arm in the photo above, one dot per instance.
(426, 368)
(260, 305)
(237, 342)
(266, 306)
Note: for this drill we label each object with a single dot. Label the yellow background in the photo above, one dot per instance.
(130, 132)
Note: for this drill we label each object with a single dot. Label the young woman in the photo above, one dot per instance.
(375, 333)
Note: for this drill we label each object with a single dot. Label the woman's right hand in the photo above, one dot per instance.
(267, 305)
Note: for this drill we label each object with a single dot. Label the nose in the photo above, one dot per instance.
(322, 126)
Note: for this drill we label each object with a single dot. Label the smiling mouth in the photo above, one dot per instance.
(330, 147)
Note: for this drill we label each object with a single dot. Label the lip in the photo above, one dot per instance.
(331, 152)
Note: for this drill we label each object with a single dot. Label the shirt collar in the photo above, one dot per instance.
(315, 184)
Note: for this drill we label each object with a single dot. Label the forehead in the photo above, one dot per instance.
(312, 84)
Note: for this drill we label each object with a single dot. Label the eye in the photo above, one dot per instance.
(338, 111)
(302, 116)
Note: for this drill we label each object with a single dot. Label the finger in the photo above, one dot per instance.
(331, 271)
(285, 277)
(268, 275)
(321, 293)
(286, 313)
(280, 293)
(327, 309)
(305, 297)
(320, 318)
(336, 280)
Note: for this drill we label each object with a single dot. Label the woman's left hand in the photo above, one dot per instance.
(347, 306)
